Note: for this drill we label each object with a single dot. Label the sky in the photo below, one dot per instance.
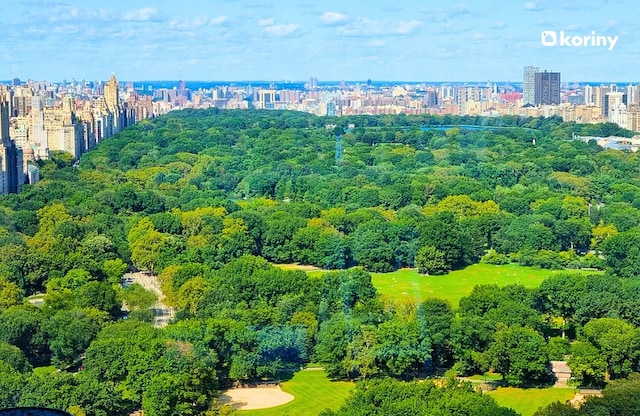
(287, 40)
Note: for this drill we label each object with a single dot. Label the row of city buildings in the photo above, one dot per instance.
(39, 117)
(542, 93)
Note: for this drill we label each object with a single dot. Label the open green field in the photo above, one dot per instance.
(44, 371)
(408, 284)
(527, 401)
(485, 377)
(313, 393)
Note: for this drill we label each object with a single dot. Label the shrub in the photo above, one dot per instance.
(493, 257)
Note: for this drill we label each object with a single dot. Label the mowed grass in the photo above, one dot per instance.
(527, 401)
(407, 284)
(313, 393)
(44, 371)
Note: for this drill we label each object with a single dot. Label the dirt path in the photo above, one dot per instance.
(162, 314)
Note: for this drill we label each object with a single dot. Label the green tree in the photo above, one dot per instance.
(619, 397)
(622, 253)
(99, 295)
(618, 343)
(191, 294)
(23, 327)
(560, 293)
(400, 350)
(11, 385)
(13, 356)
(334, 336)
(587, 364)
(519, 355)
(435, 319)
(139, 298)
(114, 270)
(557, 409)
(430, 261)
(145, 250)
(10, 294)
(392, 397)
(71, 331)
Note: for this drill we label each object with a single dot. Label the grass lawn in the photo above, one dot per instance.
(527, 401)
(408, 284)
(296, 266)
(313, 393)
(485, 377)
(44, 371)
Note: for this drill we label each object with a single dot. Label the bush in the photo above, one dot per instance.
(593, 261)
(558, 348)
(548, 259)
(493, 257)
(523, 258)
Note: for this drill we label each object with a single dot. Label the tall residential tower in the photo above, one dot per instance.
(547, 88)
(528, 86)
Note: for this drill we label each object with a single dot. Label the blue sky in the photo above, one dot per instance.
(426, 40)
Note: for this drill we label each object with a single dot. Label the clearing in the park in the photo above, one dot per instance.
(527, 401)
(312, 391)
(408, 284)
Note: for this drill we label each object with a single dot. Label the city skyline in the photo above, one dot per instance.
(292, 40)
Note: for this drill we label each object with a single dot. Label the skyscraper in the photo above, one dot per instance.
(112, 100)
(547, 88)
(528, 85)
(11, 172)
(600, 98)
(111, 94)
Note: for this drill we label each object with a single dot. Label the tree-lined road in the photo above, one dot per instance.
(162, 314)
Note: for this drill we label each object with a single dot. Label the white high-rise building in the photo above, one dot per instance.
(588, 94)
(632, 94)
(528, 85)
(38, 134)
(617, 110)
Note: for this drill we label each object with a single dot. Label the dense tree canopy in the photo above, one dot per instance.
(213, 201)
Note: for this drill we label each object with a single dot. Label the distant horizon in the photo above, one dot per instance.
(320, 82)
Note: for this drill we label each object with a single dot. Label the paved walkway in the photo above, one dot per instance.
(162, 314)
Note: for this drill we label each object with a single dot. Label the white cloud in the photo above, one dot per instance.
(64, 13)
(66, 29)
(533, 6)
(333, 18)
(500, 24)
(220, 20)
(612, 24)
(405, 28)
(363, 27)
(197, 23)
(141, 15)
(266, 22)
(441, 14)
(458, 10)
(542, 22)
(281, 30)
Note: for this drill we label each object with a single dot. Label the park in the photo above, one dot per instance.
(310, 391)
(458, 254)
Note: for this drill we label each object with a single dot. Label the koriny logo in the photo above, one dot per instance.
(552, 38)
